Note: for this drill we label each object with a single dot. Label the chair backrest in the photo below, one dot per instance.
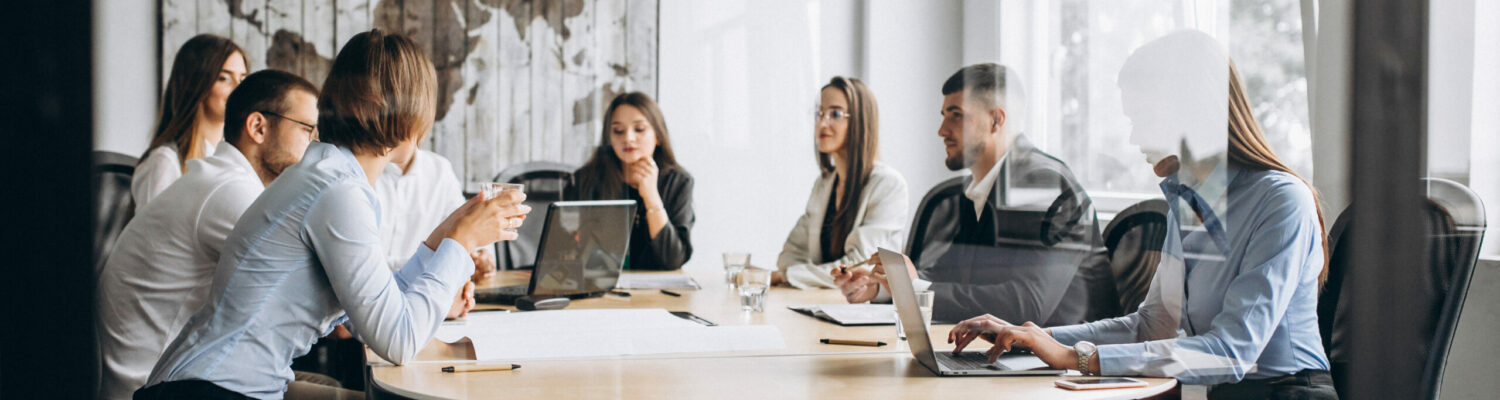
(1457, 233)
(1133, 240)
(545, 182)
(943, 190)
(1456, 223)
(113, 206)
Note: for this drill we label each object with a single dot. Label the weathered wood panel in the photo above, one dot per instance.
(179, 22)
(518, 80)
(247, 29)
(579, 101)
(350, 17)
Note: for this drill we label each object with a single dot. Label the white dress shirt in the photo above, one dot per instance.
(160, 269)
(879, 221)
(304, 258)
(156, 172)
(414, 203)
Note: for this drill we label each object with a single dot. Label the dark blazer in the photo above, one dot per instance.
(1033, 254)
(673, 246)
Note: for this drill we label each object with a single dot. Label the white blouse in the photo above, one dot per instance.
(880, 221)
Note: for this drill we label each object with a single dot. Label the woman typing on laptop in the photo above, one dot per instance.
(1244, 254)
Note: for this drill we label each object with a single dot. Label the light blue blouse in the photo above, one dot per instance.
(1248, 312)
(302, 256)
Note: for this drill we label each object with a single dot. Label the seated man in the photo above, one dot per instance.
(161, 268)
(416, 191)
(1018, 240)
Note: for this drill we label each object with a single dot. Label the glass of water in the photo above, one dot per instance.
(733, 264)
(752, 284)
(491, 189)
(925, 299)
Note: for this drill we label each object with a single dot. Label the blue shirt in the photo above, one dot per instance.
(1246, 312)
(304, 254)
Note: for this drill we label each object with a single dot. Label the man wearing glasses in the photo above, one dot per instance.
(163, 264)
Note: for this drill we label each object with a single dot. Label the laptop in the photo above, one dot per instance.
(945, 363)
(581, 252)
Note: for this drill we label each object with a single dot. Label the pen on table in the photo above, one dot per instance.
(481, 368)
(671, 293)
(870, 343)
(619, 293)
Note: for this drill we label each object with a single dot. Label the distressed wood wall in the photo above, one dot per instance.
(519, 80)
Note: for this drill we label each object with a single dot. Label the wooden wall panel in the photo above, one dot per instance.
(519, 80)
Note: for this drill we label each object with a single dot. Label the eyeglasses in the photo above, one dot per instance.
(834, 116)
(312, 127)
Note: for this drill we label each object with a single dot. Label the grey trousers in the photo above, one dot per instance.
(313, 386)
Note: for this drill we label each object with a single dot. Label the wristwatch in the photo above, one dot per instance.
(1085, 351)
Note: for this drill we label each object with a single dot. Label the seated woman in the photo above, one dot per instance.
(1234, 299)
(858, 204)
(191, 121)
(306, 256)
(634, 161)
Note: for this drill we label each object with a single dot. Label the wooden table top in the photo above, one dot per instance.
(805, 368)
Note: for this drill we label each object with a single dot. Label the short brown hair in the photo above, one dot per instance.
(381, 91)
(264, 91)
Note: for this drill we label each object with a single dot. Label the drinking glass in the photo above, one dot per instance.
(733, 264)
(491, 189)
(925, 299)
(752, 284)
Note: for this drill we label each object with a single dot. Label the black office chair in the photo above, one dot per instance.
(1134, 240)
(944, 190)
(113, 206)
(1456, 222)
(545, 182)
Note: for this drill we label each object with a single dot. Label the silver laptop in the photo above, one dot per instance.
(945, 363)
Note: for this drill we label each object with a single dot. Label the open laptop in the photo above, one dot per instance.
(580, 254)
(945, 363)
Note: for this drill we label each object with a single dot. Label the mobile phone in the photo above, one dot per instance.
(1098, 383)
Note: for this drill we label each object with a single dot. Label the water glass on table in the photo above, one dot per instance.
(733, 264)
(491, 189)
(752, 284)
(925, 299)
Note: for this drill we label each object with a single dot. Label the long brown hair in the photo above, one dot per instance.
(601, 177)
(861, 148)
(1248, 149)
(194, 70)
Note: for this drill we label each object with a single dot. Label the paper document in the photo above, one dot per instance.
(656, 281)
(595, 333)
(850, 314)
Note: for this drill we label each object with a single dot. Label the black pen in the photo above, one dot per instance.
(619, 293)
(670, 293)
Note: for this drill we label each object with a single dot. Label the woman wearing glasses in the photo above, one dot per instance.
(858, 204)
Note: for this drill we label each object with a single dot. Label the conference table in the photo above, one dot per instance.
(804, 368)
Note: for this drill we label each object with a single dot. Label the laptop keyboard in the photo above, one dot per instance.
(968, 360)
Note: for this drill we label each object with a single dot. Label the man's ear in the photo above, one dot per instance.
(997, 116)
(257, 126)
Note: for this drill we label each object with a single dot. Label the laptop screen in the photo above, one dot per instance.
(904, 297)
(583, 247)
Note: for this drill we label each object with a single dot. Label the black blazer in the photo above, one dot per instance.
(673, 246)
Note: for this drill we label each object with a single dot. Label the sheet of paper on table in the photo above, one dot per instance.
(656, 281)
(596, 333)
(850, 314)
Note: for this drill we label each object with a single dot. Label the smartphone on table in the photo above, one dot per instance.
(1099, 383)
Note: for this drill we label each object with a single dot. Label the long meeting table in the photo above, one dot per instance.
(805, 368)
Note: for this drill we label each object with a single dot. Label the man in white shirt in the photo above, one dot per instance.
(417, 190)
(1019, 241)
(161, 269)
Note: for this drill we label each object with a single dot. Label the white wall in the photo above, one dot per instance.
(739, 80)
(125, 77)
(1450, 88)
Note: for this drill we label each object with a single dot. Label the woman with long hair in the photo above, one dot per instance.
(858, 203)
(1245, 252)
(634, 161)
(191, 120)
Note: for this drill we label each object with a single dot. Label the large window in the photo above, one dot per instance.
(1070, 54)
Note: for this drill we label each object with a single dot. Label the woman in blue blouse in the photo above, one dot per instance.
(1234, 299)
